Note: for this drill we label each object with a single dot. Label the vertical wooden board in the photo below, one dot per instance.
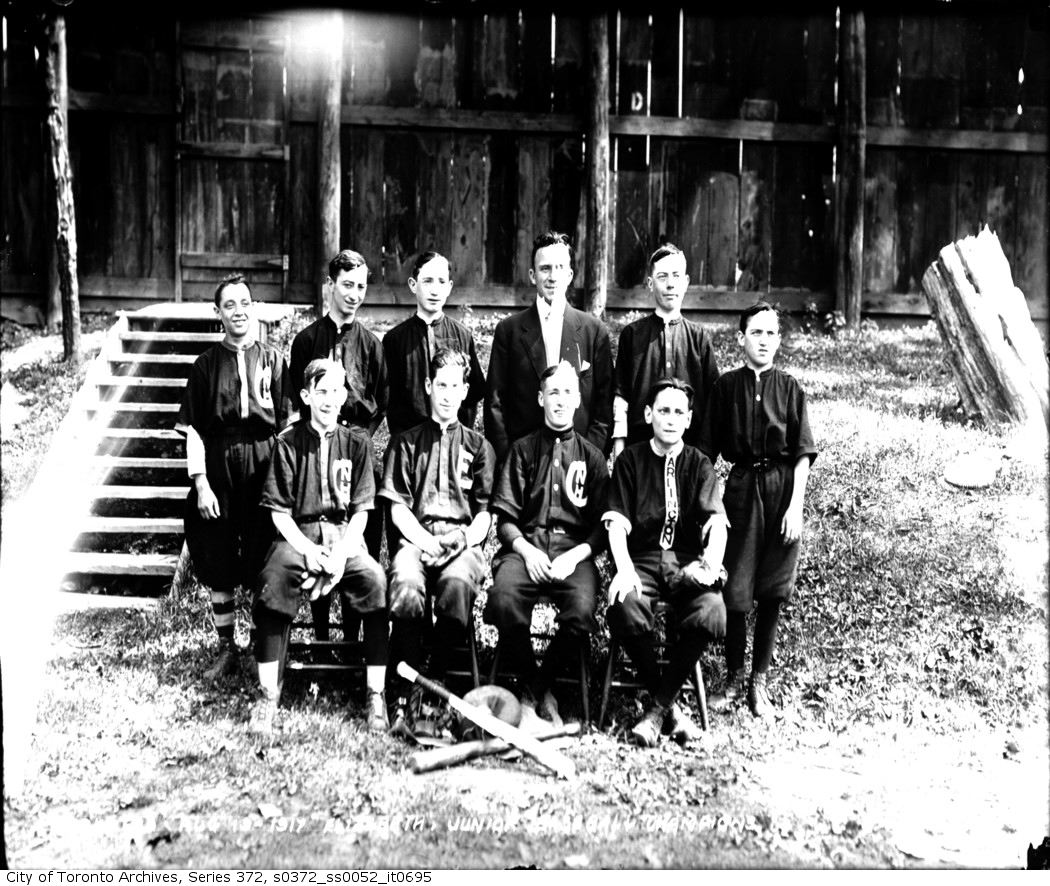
(1036, 71)
(973, 91)
(402, 52)
(267, 209)
(880, 220)
(160, 176)
(800, 213)
(533, 200)
(497, 61)
(784, 66)
(705, 68)
(971, 188)
(267, 98)
(569, 74)
(89, 157)
(751, 46)
(663, 166)
(635, 48)
(1001, 201)
(882, 36)
(568, 208)
(362, 194)
(501, 227)
(435, 192)
(198, 95)
(916, 46)
(233, 77)
(402, 172)
(757, 176)
(536, 69)
(435, 75)
(692, 222)
(1030, 260)
(946, 59)
(1005, 34)
(817, 103)
(302, 203)
(665, 69)
(941, 188)
(723, 227)
(911, 169)
(124, 230)
(366, 64)
(633, 217)
(469, 204)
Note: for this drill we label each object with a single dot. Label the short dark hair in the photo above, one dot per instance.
(230, 280)
(663, 251)
(553, 238)
(424, 258)
(318, 368)
(670, 384)
(757, 308)
(449, 357)
(550, 370)
(345, 260)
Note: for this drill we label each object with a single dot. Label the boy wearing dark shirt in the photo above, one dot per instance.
(236, 400)
(319, 491)
(550, 496)
(410, 347)
(437, 479)
(667, 535)
(756, 419)
(661, 345)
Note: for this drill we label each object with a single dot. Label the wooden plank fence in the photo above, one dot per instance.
(467, 134)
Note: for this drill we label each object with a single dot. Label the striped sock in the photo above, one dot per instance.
(223, 612)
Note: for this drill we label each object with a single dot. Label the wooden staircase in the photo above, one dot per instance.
(132, 531)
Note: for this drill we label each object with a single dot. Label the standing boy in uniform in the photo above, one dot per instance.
(339, 336)
(548, 501)
(319, 491)
(661, 345)
(756, 419)
(667, 536)
(236, 400)
(410, 347)
(437, 479)
(525, 344)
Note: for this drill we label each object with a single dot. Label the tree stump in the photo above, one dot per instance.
(995, 351)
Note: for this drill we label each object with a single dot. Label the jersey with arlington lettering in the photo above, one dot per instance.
(554, 480)
(439, 475)
(244, 389)
(300, 485)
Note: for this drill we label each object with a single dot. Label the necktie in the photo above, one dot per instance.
(431, 343)
(670, 504)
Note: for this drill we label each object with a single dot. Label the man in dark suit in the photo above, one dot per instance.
(543, 335)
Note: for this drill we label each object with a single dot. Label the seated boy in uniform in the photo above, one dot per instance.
(319, 491)
(663, 506)
(549, 499)
(437, 478)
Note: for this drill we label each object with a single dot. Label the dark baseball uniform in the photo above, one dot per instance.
(759, 425)
(321, 482)
(444, 477)
(651, 349)
(236, 400)
(551, 491)
(658, 545)
(407, 349)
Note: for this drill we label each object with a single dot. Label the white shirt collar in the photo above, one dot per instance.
(674, 451)
(555, 309)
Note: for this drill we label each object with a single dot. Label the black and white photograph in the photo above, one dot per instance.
(453, 435)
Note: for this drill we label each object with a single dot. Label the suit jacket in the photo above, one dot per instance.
(519, 358)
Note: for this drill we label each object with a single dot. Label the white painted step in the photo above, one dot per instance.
(140, 493)
(187, 359)
(172, 336)
(117, 461)
(132, 407)
(143, 434)
(130, 525)
(140, 381)
(121, 564)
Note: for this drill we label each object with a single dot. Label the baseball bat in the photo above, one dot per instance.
(441, 758)
(552, 759)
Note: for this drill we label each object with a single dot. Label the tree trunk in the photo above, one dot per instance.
(54, 56)
(994, 349)
(849, 215)
(329, 173)
(596, 267)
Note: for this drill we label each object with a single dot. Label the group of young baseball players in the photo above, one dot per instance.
(288, 500)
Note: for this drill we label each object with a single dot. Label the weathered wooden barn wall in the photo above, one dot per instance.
(195, 149)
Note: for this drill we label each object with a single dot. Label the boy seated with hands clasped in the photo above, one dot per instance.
(667, 537)
(319, 491)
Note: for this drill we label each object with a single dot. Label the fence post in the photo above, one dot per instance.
(852, 138)
(329, 173)
(596, 265)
